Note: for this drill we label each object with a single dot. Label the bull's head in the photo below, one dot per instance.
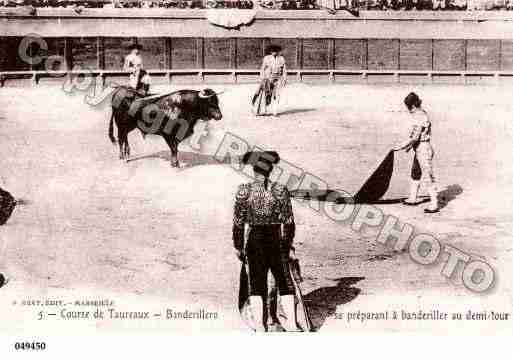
(210, 104)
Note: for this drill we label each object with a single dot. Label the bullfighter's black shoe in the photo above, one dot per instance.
(429, 210)
(408, 203)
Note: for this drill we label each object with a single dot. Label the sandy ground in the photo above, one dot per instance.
(151, 236)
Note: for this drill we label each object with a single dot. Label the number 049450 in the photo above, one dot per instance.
(30, 345)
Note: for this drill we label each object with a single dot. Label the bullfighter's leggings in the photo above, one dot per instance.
(264, 252)
(423, 162)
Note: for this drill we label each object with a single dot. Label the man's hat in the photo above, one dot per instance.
(135, 46)
(273, 48)
(262, 161)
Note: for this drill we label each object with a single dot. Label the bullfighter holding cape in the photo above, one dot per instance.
(263, 234)
(419, 140)
(273, 77)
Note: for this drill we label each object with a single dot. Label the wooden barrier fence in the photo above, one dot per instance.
(398, 76)
(394, 46)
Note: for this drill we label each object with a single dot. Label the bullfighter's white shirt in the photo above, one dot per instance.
(133, 62)
(273, 67)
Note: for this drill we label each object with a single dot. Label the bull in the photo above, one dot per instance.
(172, 116)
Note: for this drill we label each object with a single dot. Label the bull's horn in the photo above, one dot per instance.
(202, 94)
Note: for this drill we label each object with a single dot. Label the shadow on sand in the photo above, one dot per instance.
(323, 302)
(444, 197)
(285, 113)
(296, 111)
(187, 159)
(448, 194)
(343, 198)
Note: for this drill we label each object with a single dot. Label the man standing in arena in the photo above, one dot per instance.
(139, 78)
(263, 232)
(420, 141)
(273, 77)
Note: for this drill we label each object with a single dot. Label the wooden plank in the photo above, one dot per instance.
(449, 55)
(331, 54)
(291, 50)
(291, 24)
(233, 53)
(265, 42)
(217, 53)
(507, 55)
(84, 52)
(315, 54)
(415, 55)
(483, 55)
(56, 54)
(100, 53)
(9, 59)
(184, 53)
(68, 52)
(249, 53)
(168, 52)
(200, 53)
(383, 54)
(116, 48)
(50, 52)
(4, 54)
(351, 54)
(154, 52)
(300, 53)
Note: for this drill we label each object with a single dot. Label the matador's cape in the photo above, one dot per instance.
(273, 312)
(263, 96)
(7, 204)
(377, 184)
(372, 190)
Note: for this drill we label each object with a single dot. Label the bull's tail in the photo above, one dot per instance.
(111, 128)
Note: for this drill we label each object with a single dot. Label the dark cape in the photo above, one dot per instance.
(7, 204)
(372, 190)
(272, 308)
(377, 184)
(263, 96)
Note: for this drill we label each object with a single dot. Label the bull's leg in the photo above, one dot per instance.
(123, 145)
(127, 149)
(174, 154)
(173, 146)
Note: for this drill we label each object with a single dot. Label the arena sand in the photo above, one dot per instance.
(151, 236)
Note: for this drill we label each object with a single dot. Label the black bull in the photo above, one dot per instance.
(172, 116)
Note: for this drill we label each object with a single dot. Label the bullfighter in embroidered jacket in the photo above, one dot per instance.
(263, 233)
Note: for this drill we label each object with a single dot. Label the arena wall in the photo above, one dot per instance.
(181, 45)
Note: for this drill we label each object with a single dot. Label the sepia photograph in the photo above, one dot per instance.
(255, 166)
